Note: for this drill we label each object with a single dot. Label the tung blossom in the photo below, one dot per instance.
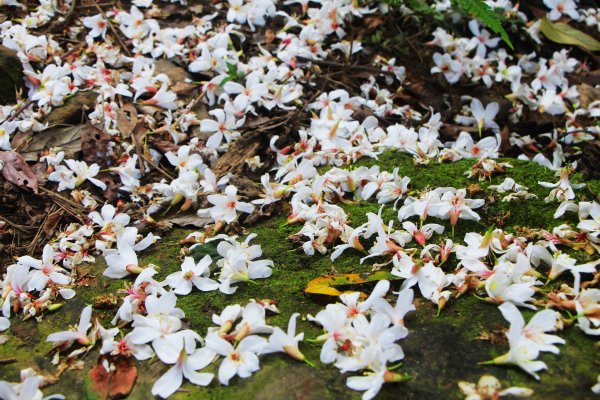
(225, 207)
(192, 274)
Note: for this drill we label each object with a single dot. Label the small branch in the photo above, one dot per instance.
(158, 168)
(334, 64)
(22, 108)
(112, 28)
(191, 105)
(22, 228)
(69, 16)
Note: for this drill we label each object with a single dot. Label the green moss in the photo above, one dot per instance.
(439, 350)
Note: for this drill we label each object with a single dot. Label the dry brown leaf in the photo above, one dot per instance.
(188, 220)
(587, 94)
(67, 138)
(269, 36)
(127, 119)
(15, 170)
(114, 384)
(183, 88)
(95, 145)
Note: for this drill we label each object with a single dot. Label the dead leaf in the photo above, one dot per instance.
(172, 70)
(50, 224)
(183, 88)
(15, 170)
(587, 94)
(559, 32)
(95, 145)
(162, 145)
(326, 285)
(373, 21)
(269, 36)
(112, 185)
(127, 119)
(67, 138)
(197, 9)
(188, 220)
(494, 337)
(114, 384)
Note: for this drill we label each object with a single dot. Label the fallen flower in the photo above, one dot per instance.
(489, 388)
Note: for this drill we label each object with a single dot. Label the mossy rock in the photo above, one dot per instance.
(71, 112)
(11, 75)
(440, 350)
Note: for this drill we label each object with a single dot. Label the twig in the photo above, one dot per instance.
(112, 28)
(22, 108)
(60, 25)
(93, 6)
(22, 228)
(9, 360)
(191, 105)
(334, 64)
(72, 208)
(35, 241)
(158, 168)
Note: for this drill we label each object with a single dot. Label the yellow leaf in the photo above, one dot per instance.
(562, 33)
(326, 285)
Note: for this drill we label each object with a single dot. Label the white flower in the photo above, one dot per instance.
(97, 24)
(521, 353)
(111, 225)
(241, 271)
(482, 117)
(126, 348)
(535, 330)
(563, 189)
(124, 261)
(596, 387)
(163, 98)
(162, 328)
(592, 225)
(46, 270)
(560, 7)
(192, 274)
(280, 341)
(404, 305)
(500, 288)
(81, 334)
(489, 387)
(481, 39)
(186, 365)
(82, 173)
(454, 205)
(4, 324)
(27, 389)
(372, 382)
(241, 360)
(444, 63)
(562, 262)
(226, 206)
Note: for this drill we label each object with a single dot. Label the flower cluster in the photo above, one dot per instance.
(362, 336)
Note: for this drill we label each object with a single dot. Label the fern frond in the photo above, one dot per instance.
(485, 14)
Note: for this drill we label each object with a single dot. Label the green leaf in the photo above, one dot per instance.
(485, 14)
(208, 248)
(562, 33)
(224, 81)
(232, 69)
